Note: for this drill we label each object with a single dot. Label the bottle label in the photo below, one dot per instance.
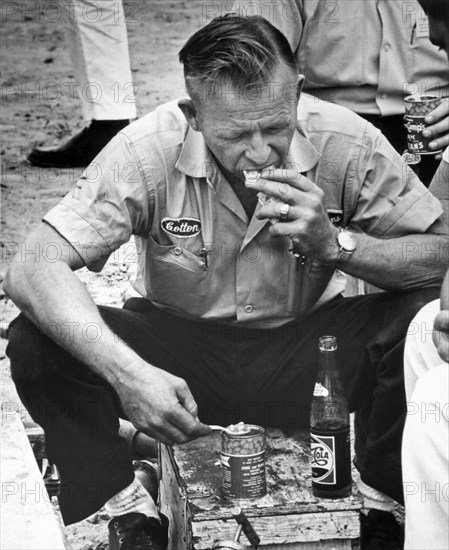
(320, 390)
(323, 459)
(331, 457)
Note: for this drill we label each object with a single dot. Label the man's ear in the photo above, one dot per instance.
(188, 108)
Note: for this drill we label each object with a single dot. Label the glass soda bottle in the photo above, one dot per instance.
(329, 427)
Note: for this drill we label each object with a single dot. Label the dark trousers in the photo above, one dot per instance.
(264, 377)
(394, 130)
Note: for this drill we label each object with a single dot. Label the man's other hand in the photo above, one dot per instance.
(438, 121)
(159, 404)
(307, 221)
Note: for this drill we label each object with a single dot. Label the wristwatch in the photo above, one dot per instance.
(347, 243)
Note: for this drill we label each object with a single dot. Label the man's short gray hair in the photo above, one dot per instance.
(245, 50)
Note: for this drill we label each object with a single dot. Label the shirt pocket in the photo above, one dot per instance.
(176, 279)
(175, 255)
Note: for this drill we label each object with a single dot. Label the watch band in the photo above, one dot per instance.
(343, 255)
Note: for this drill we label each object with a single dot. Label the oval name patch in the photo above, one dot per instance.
(181, 227)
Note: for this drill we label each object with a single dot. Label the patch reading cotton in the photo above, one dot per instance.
(181, 227)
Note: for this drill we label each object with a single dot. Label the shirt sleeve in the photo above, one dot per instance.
(108, 204)
(389, 200)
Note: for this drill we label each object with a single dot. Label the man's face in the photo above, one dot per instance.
(250, 130)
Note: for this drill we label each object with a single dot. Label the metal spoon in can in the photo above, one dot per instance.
(233, 429)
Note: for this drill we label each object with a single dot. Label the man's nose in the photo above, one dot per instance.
(257, 150)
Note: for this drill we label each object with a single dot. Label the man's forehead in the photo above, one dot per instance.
(225, 94)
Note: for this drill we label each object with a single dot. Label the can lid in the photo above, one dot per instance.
(327, 343)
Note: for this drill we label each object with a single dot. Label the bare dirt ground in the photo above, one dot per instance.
(38, 107)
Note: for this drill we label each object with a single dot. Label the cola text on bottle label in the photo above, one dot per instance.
(331, 458)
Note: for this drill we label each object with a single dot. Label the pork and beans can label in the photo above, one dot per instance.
(243, 464)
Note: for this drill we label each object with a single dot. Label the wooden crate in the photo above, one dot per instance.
(289, 517)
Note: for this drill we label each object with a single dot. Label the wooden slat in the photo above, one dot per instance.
(28, 520)
(321, 528)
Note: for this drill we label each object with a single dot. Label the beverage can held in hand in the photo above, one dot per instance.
(329, 428)
(416, 110)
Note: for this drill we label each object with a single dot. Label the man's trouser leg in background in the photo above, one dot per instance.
(98, 44)
(97, 40)
(425, 448)
(235, 373)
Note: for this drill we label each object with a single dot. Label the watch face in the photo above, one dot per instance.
(346, 241)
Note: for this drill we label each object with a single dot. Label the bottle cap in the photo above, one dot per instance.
(327, 343)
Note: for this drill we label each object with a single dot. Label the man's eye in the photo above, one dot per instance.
(275, 130)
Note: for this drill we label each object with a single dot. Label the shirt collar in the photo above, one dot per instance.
(196, 160)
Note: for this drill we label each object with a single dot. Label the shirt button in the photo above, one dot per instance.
(177, 251)
(387, 47)
(249, 308)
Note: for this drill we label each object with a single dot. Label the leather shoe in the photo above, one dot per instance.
(81, 149)
(380, 531)
(135, 531)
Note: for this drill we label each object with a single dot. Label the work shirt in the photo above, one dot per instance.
(364, 54)
(199, 256)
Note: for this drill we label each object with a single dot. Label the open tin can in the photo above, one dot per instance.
(416, 110)
(243, 464)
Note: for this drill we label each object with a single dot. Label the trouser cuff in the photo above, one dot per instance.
(95, 483)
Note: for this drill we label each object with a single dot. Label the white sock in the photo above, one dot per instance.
(134, 498)
(374, 499)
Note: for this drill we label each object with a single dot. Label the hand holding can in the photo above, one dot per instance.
(417, 107)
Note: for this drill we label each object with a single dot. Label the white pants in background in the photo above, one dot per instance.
(98, 43)
(425, 447)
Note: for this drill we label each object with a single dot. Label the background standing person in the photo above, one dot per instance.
(367, 56)
(98, 44)
(425, 450)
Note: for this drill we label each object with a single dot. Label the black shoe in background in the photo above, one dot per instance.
(380, 531)
(138, 532)
(81, 149)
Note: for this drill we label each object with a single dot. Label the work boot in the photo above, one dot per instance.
(380, 531)
(81, 149)
(138, 532)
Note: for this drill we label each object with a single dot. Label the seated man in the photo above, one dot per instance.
(235, 292)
